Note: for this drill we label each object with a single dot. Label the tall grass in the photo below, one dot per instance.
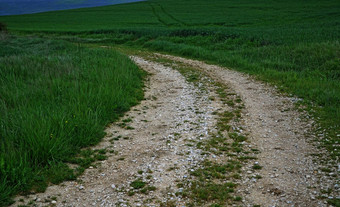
(56, 98)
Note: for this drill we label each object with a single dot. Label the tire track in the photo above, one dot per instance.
(173, 139)
(162, 15)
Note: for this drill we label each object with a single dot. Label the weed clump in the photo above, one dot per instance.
(137, 184)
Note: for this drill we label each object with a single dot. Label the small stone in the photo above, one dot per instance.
(138, 204)
(91, 167)
(113, 186)
(54, 202)
(38, 200)
(81, 187)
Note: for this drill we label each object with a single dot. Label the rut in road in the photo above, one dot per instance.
(203, 136)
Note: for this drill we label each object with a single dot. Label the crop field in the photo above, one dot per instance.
(15, 7)
(291, 44)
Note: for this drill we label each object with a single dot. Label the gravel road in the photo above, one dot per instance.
(154, 148)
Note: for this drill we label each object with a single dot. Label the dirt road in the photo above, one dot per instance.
(203, 136)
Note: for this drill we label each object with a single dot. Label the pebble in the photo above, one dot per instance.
(113, 186)
(81, 187)
(54, 202)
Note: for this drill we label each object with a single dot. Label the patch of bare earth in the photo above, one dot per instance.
(156, 151)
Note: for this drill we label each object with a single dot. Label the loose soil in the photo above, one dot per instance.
(154, 148)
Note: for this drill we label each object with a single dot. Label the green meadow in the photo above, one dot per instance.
(49, 77)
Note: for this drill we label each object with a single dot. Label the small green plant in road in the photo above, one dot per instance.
(127, 120)
(138, 184)
(257, 167)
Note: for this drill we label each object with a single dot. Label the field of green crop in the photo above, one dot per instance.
(292, 44)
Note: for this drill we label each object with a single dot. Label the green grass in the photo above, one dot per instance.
(56, 98)
(292, 44)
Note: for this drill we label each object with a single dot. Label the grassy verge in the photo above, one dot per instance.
(56, 98)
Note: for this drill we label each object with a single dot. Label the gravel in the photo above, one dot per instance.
(157, 151)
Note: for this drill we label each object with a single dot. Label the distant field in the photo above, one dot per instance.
(293, 44)
(15, 7)
(111, 17)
